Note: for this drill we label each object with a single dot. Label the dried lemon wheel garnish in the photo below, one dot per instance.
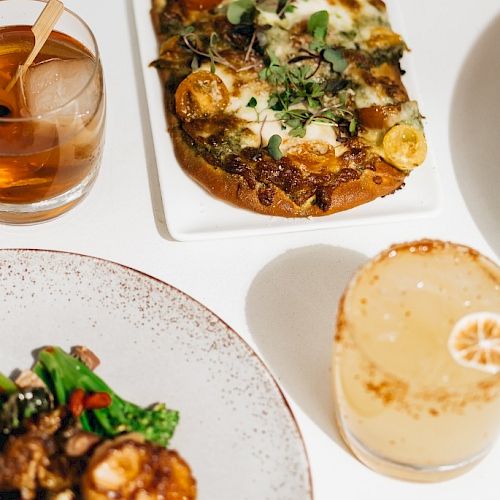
(475, 341)
(405, 146)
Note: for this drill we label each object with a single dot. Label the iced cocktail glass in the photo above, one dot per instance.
(52, 122)
(417, 360)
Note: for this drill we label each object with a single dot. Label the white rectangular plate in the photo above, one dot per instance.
(193, 214)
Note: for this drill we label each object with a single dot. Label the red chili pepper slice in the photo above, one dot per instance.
(97, 401)
(76, 402)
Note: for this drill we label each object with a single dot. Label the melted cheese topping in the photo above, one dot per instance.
(369, 96)
(317, 132)
(262, 122)
(340, 19)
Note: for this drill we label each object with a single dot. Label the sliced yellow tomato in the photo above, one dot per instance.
(200, 95)
(405, 146)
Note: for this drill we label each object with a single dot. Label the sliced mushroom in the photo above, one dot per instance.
(27, 378)
(80, 443)
(86, 356)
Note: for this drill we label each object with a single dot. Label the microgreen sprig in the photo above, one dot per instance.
(298, 119)
(190, 39)
(298, 98)
(252, 103)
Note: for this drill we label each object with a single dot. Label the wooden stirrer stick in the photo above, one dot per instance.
(41, 29)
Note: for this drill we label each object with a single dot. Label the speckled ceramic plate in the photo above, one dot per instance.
(156, 343)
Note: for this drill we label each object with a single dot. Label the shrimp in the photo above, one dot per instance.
(130, 468)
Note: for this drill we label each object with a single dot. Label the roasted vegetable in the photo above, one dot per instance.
(64, 374)
(19, 407)
(6, 385)
(128, 467)
(33, 462)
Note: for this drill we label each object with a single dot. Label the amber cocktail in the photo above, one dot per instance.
(52, 121)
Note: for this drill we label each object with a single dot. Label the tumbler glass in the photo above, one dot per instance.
(417, 360)
(52, 121)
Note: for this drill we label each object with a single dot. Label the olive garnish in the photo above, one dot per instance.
(4, 111)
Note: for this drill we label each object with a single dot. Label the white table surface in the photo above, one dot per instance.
(279, 292)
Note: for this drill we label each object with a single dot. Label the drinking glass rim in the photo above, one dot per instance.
(96, 63)
(340, 325)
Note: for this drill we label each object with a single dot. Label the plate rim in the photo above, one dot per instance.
(248, 348)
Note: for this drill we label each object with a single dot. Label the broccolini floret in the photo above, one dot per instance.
(63, 374)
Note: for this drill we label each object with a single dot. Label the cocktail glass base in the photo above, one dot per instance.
(405, 471)
(32, 213)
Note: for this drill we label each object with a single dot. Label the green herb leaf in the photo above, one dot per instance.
(252, 103)
(317, 25)
(274, 73)
(273, 147)
(299, 131)
(328, 115)
(353, 126)
(241, 11)
(6, 385)
(294, 122)
(336, 58)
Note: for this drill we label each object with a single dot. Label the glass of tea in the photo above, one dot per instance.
(417, 360)
(52, 121)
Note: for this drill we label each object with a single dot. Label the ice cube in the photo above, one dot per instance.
(55, 83)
